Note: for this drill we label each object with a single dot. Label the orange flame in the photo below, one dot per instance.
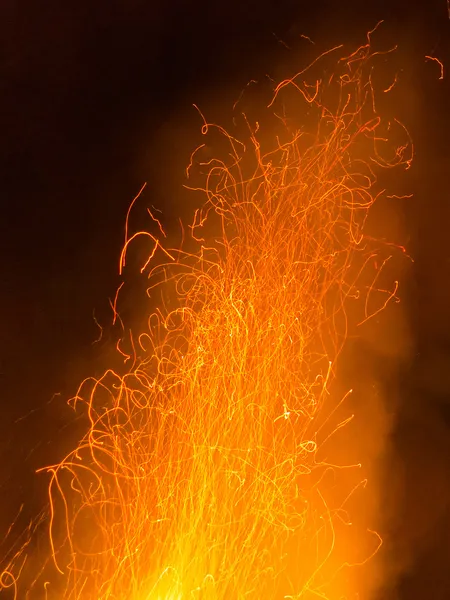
(205, 471)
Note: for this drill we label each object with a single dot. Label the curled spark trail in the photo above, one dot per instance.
(202, 474)
(441, 66)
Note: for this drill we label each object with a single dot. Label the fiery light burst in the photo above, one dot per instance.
(206, 471)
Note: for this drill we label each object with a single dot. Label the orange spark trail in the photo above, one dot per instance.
(441, 66)
(207, 469)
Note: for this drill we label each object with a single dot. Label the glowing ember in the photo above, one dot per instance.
(207, 471)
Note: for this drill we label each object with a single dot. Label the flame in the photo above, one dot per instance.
(207, 468)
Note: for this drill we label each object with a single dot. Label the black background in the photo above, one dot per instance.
(95, 99)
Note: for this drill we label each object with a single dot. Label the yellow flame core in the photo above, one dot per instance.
(201, 474)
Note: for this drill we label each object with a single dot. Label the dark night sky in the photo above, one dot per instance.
(87, 92)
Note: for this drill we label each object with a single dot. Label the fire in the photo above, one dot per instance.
(207, 468)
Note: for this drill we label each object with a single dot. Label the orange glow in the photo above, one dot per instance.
(207, 469)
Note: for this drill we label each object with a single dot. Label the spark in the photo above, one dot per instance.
(100, 335)
(441, 66)
(305, 37)
(390, 87)
(138, 195)
(205, 468)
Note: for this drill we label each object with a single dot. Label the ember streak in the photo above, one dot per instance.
(208, 467)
